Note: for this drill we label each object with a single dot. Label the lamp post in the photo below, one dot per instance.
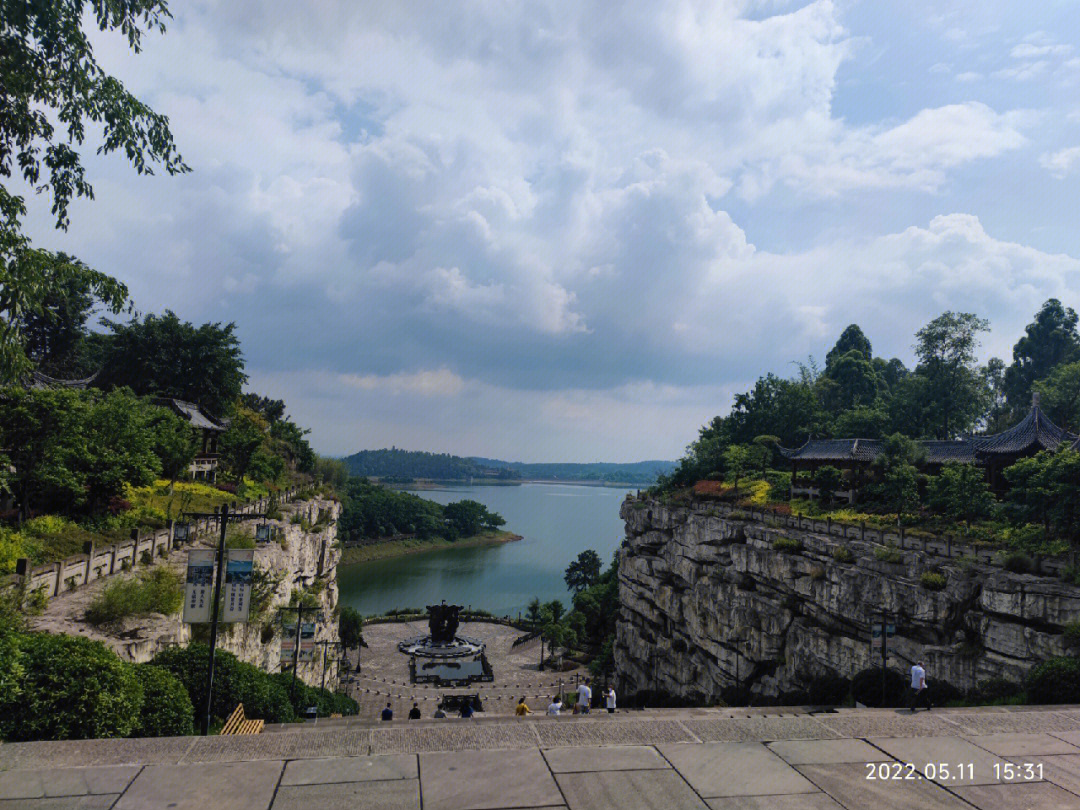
(223, 517)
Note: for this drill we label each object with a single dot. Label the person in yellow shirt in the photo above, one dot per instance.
(522, 709)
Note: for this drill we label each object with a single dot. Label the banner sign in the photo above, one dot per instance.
(239, 568)
(198, 588)
(875, 636)
(307, 642)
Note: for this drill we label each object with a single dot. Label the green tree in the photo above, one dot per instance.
(850, 381)
(737, 459)
(1048, 341)
(998, 416)
(173, 442)
(350, 628)
(862, 422)
(166, 707)
(961, 491)
(851, 339)
(583, 572)
(829, 480)
(1031, 490)
(955, 390)
(467, 517)
(534, 611)
(240, 442)
(897, 487)
(555, 609)
(1060, 395)
(49, 75)
(164, 356)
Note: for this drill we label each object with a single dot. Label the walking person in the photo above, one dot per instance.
(918, 692)
(522, 709)
(467, 709)
(388, 713)
(554, 707)
(609, 699)
(584, 696)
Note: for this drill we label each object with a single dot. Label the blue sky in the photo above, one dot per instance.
(571, 231)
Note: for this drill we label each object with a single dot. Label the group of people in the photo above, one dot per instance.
(581, 706)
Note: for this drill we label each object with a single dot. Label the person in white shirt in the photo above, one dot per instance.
(584, 696)
(554, 707)
(918, 691)
(609, 699)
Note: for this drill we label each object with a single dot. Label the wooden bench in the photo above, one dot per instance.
(238, 724)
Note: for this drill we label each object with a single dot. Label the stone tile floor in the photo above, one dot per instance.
(663, 760)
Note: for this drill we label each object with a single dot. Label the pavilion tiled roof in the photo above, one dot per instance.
(38, 381)
(1034, 432)
(834, 450)
(940, 452)
(195, 417)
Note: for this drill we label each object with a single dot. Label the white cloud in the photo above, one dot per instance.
(438, 383)
(1062, 162)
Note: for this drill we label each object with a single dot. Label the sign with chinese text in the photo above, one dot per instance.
(199, 586)
(239, 568)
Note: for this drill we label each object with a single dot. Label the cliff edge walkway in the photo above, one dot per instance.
(724, 759)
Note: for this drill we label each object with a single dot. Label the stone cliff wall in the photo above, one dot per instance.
(707, 601)
(306, 559)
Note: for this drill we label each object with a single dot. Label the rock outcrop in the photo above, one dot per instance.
(710, 600)
(304, 559)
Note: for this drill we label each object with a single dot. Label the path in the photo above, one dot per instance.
(661, 760)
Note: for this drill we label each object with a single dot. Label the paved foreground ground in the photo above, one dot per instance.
(995, 759)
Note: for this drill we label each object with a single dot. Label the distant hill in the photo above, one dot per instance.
(635, 472)
(406, 465)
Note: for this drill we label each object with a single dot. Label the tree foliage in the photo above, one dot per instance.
(1048, 341)
(961, 490)
(584, 572)
(165, 357)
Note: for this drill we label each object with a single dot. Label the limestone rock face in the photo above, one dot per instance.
(709, 603)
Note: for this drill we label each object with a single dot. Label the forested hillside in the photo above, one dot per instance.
(406, 465)
(372, 511)
(638, 472)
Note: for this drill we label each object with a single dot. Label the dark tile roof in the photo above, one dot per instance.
(835, 450)
(43, 382)
(1034, 432)
(939, 452)
(190, 411)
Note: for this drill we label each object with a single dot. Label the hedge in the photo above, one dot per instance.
(1055, 681)
(303, 696)
(166, 709)
(234, 682)
(72, 689)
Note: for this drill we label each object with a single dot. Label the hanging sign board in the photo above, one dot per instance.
(262, 533)
(875, 636)
(239, 567)
(198, 588)
(307, 642)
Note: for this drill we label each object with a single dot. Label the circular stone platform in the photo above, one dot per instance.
(423, 647)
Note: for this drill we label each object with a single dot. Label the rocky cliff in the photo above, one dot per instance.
(710, 598)
(305, 559)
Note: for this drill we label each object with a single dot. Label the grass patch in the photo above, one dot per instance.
(159, 590)
(933, 581)
(787, 545)
(843, 554)
(185, 496)
(889, 554)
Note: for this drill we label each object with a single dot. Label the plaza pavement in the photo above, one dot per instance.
(693, 759)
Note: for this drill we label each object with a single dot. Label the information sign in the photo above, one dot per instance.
(198, 587)
(239, 568)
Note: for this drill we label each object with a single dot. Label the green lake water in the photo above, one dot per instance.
(557, 522)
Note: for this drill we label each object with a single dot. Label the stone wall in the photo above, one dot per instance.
(707, 602)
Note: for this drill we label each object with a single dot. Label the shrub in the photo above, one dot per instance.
(933, 581)
(1072, 630)
(1055, 681)
(996, 690)
(828, 690)
(817, 572)
(787, 545)
(72, 689)
(166, 707)
(866, 688)
(843, 554)
(234, 682)
(146, 558)
(1018, 563)
(889, 554)
(302, 696)
(159, 590)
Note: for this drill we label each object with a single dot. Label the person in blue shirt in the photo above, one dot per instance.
(388, 713)
(466, 709)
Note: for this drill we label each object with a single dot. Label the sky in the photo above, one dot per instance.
(572, 231)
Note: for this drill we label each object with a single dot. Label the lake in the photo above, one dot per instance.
(557, 522)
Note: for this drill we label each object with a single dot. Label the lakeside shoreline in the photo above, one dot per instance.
(354, 555)
(450, 484)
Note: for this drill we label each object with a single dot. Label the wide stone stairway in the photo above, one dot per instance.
(768, 759)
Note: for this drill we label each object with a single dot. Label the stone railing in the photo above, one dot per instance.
(99, 562)
(946, 546)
